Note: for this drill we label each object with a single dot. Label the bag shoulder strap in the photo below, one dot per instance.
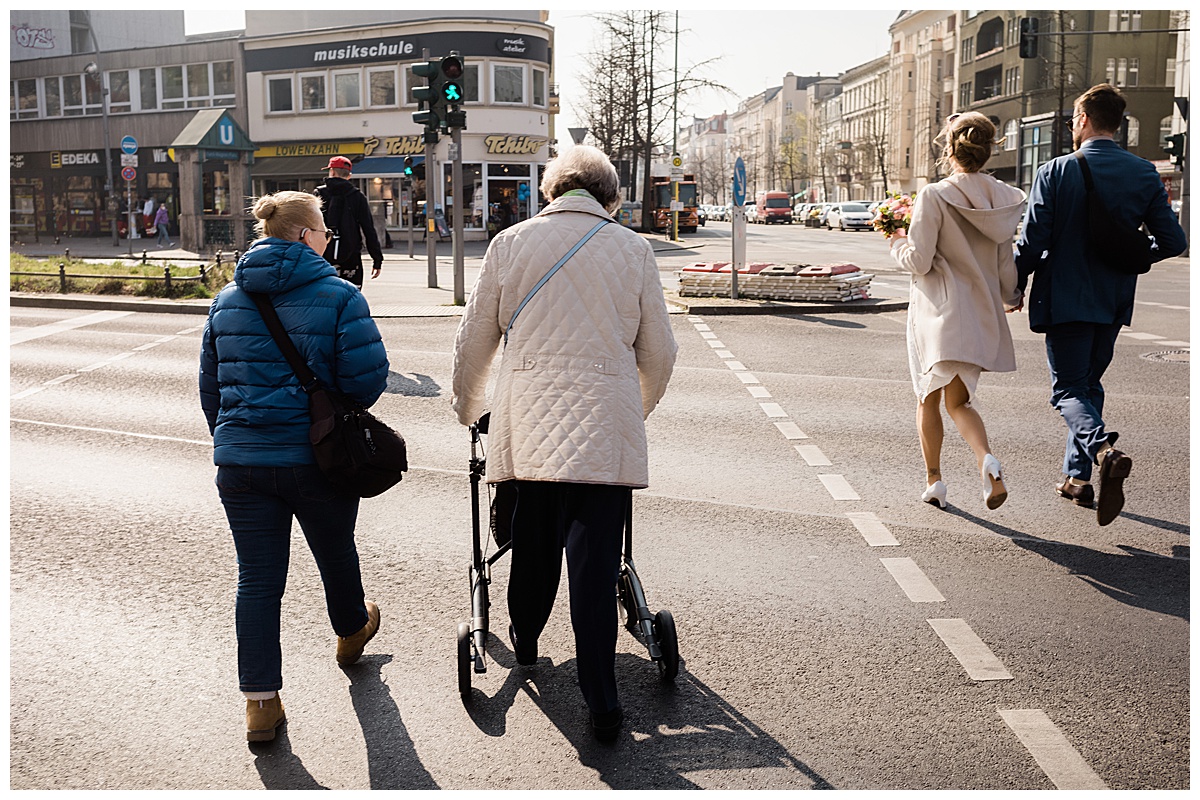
(308, 380)
(551, 272)
(1087, 172)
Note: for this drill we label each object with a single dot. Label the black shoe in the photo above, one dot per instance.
(1082, 495)
(1114, 469)
(526, 656)
(607, 724)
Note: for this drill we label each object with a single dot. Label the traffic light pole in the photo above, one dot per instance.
(412, 215)
(430, 212)
(460, 292)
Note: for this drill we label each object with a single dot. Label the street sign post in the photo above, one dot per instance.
(739, 225)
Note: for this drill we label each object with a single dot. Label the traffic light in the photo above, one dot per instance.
(1174, 146)
(429, 96)
(1029, 37)
(408, 167)
(451, 86)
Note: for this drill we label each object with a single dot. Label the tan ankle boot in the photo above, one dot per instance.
(262, 718)
(350, 648)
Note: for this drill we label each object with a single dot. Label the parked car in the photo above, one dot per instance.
(849, 216)
(701, 215)
(721, 213)
(823, 213)
(773, 207)
(751, 212)
(800, 211)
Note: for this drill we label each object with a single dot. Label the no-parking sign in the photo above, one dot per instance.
(129, 173)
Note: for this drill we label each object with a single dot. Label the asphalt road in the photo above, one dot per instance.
(814, 630)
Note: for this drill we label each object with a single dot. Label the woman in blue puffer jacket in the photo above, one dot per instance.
(258, 415)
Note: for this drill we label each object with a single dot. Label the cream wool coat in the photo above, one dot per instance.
(586, 362)
(960, 253)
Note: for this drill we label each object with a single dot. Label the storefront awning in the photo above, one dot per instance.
(308, 166)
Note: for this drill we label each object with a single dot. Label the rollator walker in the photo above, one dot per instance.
(656, 632)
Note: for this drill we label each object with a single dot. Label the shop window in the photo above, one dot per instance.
(198, 86)
(312, 92)
(216, 192)
(279, 93)
(148, 85)
(346, 92)
(25, 99)
(472, 194)
(381, 87)
(470, 83)
(508, 83)
(172, 87)
(539, 87)
(119, 99)
(52, 87)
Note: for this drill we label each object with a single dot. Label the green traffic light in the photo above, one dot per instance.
(452, 92)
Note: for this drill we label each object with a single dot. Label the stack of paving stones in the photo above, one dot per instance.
(765, 281)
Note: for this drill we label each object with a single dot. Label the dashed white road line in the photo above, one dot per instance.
(772, 409)
(839, 488)
(746, 377)
(1061, 762)
(975, 656)
(108, 430)
(1188, 345)
(707, 335)
(736, 366)
(724, 354)
(790, 430)
(758, 391)
(872, 529)
(912, 580)
(713, 343)
(812, 455)
(1141, 335)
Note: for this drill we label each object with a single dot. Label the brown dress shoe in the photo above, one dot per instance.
(1114, 469)
(1080, 495)
(350, 648)
(262, 718)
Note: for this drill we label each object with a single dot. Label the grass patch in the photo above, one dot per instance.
(116, 277)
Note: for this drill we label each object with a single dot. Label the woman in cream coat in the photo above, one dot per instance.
(959, 249)
(585, 363)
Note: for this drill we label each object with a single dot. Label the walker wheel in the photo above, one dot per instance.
(664, 634)
(464, 660)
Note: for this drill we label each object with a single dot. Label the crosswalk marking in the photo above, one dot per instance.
(40, 331)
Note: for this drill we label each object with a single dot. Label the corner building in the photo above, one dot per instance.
(325, 83)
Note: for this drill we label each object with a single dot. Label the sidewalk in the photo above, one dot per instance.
(402, 288)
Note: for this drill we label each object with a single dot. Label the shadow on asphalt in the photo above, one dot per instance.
(278, 766)
(1141, 579)
(416, 386)
(834, 323)
(669, 729)
(392, 760)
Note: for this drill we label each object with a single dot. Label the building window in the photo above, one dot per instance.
(1035, 151)
(312, 92)
(199, 88)
(381, 87)
(987, 84)
(77, 89)
(1012, 31)
(119, 100)
(508, 83)
(1124, 20)
(1122, 70)
(964, 94)
(1132, 132)
(1110, 71)
(224, 92)
(1164, 129)
(1132, 75)
(470, 83)
(911, 85)
(539, 87)
(1010, 135)
(279, 93)
(908, 120)
(172, 87)
(1170, 79)
(148, 87)
(346, 90)
(53, 91)
(24, 99)
(907, 157)
(1012, 80)
(968, 50)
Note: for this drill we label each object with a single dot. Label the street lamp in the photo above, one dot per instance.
(110, 199)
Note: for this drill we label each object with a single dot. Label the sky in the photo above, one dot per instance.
(753, 49)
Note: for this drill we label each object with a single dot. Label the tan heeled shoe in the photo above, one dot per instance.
(994, 490)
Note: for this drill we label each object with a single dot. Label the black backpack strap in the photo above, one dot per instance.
(308, 380)
(1087, 172)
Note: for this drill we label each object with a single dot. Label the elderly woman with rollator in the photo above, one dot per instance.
(584, 363)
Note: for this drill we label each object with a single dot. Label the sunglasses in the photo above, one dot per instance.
(328, 233)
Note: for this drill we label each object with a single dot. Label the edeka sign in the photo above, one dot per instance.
(512, 145)
(395, 145)
(58, 159)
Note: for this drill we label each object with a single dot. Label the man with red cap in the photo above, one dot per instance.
(346, 213)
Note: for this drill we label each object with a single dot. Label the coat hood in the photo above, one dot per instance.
(275, 266)
(992, 207)
(336, 186)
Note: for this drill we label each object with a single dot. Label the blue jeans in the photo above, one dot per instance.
(164, 236)
(1078, 354)
(260, 503)
(588, 520)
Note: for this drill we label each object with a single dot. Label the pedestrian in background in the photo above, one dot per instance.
(346, 212)
(258, 414)
(162, 223)
(1077, 300)
(959, 251)
(148, 209)
(584, 365)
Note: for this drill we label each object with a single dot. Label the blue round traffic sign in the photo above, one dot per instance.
(128, 145)
(739, 182)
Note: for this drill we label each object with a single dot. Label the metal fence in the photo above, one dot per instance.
(167, 278)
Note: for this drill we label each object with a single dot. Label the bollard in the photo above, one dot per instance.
(203, 275)
(167, 279)
(62, 278)
(67, 254)
(143, 256)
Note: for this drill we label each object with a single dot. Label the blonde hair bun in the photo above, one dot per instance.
(285, 214)
(265, 208)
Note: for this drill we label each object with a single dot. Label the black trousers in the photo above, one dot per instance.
(588, 520)
(351, 268)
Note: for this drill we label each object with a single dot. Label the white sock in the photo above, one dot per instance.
(259, 695)
(1077, 482)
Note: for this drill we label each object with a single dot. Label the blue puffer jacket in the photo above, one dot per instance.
(256, 409)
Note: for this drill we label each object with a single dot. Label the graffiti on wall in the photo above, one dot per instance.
(35, 38)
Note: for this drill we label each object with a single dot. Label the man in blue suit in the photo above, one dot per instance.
(1080, 302)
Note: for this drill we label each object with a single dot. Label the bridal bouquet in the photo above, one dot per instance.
(893, 214)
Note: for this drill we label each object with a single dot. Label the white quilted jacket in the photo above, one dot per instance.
(586, 362)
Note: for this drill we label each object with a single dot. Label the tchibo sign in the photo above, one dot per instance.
(58, 159)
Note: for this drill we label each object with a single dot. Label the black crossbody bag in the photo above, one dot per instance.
(359, 455)
(1115, 243)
